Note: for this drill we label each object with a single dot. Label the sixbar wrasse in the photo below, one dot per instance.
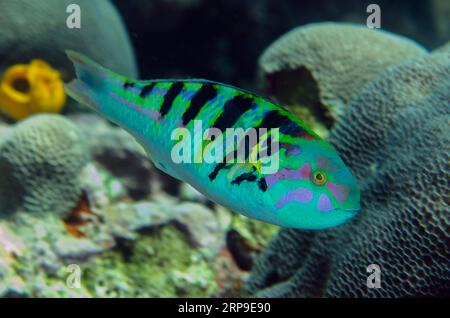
(310, 187)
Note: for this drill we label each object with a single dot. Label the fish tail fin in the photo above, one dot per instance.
(93, 81)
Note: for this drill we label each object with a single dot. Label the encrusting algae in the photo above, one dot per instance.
(31, 88)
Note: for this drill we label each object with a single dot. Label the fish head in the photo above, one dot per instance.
(319, 193)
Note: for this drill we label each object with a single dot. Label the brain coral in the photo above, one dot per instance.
(40, 161)
(323, 65)
(444, 48)
(38, 29)
(395, 138)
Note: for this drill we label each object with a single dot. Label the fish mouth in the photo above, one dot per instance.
(352, 212)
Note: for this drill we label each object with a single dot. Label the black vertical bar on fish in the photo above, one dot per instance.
(217, 169)
(127, 84)
(274, 119)
(232, 111)
(146, 90)
(248, 176)
(170, 96)
(206, 93)
(262, 184)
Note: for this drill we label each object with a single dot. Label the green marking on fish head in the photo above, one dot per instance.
(317, 192)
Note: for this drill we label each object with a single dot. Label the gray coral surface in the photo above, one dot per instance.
(41, 159)
(38, 29)
(395, 139)
(324, 65)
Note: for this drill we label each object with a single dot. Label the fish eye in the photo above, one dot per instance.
(319, 178)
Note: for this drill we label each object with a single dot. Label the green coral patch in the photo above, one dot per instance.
(162, 264)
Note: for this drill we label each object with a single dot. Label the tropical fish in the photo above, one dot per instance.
(312, 187)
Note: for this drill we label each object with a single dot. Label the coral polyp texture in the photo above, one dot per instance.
(41, 159)
(444, 48)
(324, 65)
(395, 139)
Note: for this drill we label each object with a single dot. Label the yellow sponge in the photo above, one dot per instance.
(26, 89)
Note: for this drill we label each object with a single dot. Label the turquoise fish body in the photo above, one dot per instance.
(311, 188)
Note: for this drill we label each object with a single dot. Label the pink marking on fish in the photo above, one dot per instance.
(301, 195)
(340, 192)
(291, 150)
(323, 163)
(294, 151)
(179, 124)
(324, 203)
(303, 173)
(280, 175)
(153, 114)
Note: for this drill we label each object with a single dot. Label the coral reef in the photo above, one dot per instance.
(31, 88)
(247, 238)
(143, 249)
(118, 152)
(29, 33)
(322, 66)
(126, 243)
(444, 48)
(150, 269)
(79, 192)
(39, 250)
(41, 159)
(395, 138)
